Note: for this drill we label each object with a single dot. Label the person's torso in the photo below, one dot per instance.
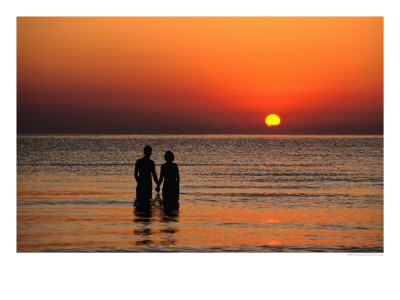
(170, 172)
(145, 166)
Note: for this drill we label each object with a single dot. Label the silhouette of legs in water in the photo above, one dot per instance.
(142, 208)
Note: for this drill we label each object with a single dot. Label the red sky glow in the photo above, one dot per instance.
(199, 75)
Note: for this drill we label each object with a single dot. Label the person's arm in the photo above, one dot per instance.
(153, 172)
(136, 171)
(177, 175)
(161, 176)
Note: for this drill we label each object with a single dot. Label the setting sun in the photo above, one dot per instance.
(272, 120)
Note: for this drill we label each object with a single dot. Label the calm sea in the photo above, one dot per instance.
(238, 193)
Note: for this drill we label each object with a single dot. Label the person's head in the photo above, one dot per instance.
(147, 151)
(169, 156)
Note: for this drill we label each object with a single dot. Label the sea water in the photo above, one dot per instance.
(76, 193)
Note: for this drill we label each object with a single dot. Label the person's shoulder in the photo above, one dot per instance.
(149, 162)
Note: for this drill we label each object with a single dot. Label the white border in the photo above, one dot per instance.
(198, 276)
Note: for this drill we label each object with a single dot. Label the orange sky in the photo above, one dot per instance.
(199, 75)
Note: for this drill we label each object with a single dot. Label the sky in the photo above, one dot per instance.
(165, 75)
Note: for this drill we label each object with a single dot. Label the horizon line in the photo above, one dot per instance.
(263, 134)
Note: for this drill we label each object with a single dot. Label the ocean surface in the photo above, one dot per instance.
(242, 193)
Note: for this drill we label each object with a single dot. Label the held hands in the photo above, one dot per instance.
(158, 189)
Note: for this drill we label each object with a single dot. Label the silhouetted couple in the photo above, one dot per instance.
(145, 170)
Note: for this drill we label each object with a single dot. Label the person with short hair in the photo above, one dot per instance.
(144, 170)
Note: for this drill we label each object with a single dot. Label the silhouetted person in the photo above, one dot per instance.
(170, 176)
(144, 170)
